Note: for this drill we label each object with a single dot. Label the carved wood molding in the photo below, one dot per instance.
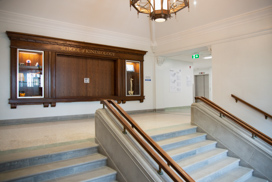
(64, 45)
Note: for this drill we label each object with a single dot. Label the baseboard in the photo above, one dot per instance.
(75, 117)
(45, 146)
(44, 119)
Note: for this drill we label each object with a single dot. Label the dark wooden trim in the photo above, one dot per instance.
(240, 122)
(13, 73)
(156, 152)
(266, 115)
(68, 46)
(54, 47)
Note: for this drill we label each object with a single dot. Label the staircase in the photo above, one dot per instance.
(200, 157)
(76, 162)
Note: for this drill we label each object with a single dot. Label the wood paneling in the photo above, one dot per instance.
(70, 72)
(102, 77)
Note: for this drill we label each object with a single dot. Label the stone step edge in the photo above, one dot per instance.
(102, 158)
(70, 177)
(54, 153)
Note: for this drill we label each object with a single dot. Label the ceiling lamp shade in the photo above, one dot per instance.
(159, 10)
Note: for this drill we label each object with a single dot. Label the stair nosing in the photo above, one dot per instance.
(64, 166)
(207, 142)
(53, 153)
(113, 172)
(232, 162)
(218, 151)
(198, 134)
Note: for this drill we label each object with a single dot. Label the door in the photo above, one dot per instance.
(202, 86)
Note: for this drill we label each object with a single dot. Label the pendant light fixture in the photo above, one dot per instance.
(159, 10)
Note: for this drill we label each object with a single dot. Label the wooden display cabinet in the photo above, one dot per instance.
(46, 70)
(30, 74)
(133, 78)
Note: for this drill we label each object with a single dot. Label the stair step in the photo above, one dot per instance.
(197, 161)
(43, 156)
(255, 179)
(236, 174)
(169, 132)
(213, 170)
(180, 141)
(56, 169)
(103, 174)
(190, 150)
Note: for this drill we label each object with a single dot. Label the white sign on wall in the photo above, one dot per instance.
(148, 78)
(175, 80)
(189, 80)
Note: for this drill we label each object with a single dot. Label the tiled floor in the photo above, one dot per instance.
(54, 133)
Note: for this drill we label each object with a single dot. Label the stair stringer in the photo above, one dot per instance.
(126, 158)
(252, 152)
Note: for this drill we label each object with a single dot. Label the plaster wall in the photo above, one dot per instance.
(243, 68)
(164, 97)
(241, 49)
(40, 26)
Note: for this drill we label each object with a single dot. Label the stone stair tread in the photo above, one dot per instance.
(255, 179)
(180, 138)
(192, 160)
(29, 171)
(238, 173)
(190, 147)
(213, 168)
(45, 151)
(170, 129)
(89, 175)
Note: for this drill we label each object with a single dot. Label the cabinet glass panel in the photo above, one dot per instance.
(133, 78)
(30, 78)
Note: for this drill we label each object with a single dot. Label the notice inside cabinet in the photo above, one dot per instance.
(30, 79)
(133, 78)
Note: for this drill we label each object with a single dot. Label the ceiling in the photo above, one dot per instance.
(116, 15)
(186, 55)
(205, 12)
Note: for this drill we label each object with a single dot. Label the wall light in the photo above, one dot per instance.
(207, 57)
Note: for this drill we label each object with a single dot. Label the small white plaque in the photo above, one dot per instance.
(86, 80)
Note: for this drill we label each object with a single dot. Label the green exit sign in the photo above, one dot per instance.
(195, 56)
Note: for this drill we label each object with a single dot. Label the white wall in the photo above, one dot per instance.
(209, 72)
(165, 98)
(244, 68)
(241, 50)
(28, 24)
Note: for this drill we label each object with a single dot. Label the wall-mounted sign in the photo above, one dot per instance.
(195, 56)
(148, 78)
(86, 80)
(202, 73)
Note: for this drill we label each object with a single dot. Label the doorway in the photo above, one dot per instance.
(202, 85)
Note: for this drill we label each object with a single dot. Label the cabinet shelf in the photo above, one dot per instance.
(30, 68)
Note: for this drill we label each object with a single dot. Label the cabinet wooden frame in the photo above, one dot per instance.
(57, 51)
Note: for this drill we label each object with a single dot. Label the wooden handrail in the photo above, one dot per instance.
(159, 154)
(254, 131)
(253, 107)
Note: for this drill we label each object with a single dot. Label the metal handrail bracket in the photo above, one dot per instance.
(266, 115)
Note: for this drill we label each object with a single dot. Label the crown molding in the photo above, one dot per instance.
(48, 27)
(246, 25)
